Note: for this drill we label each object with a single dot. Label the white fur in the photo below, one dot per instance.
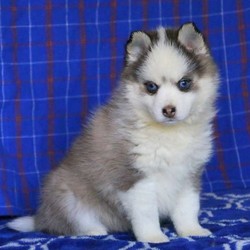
(185, 214)
(23, 224)
(84, 218)
(164, 60)
(140, 203)
(168, 155)
(162, 34)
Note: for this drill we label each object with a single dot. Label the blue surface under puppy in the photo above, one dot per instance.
(140, 158)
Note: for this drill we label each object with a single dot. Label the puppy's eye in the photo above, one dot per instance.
(184, 84)
(151, 87)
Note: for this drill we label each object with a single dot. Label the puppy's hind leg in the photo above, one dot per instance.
(84, 219)
(87, 223)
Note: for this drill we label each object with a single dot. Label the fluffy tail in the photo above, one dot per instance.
(23, 224)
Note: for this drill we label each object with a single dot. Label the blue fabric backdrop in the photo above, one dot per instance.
(59, 60)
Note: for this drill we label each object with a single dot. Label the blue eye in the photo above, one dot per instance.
(184, 84)
(151, 87)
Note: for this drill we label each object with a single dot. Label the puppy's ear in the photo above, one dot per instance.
(191, 38)
(138, 43)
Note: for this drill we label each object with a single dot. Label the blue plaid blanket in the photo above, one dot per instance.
(226, 214)
(59, 60)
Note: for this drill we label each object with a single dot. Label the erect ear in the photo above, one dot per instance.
(191, 38)
(138, 43)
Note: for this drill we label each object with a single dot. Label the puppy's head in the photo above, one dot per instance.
(169, 74)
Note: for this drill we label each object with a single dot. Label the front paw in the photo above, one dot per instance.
(153, 238)
(197, 231)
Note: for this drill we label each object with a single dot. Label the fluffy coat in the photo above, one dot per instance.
(134, 166)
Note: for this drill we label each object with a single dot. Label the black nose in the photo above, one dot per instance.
(169, 111)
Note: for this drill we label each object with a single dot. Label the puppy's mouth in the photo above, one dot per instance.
(173, 121)
(170, 121)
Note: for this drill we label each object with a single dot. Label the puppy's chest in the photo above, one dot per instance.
(157, 151)
(169, 160)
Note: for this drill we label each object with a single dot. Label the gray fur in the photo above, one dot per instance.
(99, 158)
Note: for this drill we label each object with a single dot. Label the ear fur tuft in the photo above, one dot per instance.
(191, 38)
(138, 43)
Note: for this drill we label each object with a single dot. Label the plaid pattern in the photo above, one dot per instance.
(61, 59)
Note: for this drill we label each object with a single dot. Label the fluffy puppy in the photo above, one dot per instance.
(140, 158)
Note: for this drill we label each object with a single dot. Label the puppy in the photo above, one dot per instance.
(140, 159)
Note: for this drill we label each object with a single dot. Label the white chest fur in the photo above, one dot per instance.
(168, 157)
(162, 148)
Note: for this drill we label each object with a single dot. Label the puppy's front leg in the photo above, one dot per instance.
(186, 212)
(140, 203)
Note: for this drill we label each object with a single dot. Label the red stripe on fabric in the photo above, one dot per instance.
(205, 31)
(176, 12)
(5, 188)
(244, 61)
(144, 14)
(17, 105)
(83, 77)
(219, 154)
(113, 41)
(50, 82)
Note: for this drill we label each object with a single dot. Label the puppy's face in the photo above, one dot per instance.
(171, 74)
(168, 84)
